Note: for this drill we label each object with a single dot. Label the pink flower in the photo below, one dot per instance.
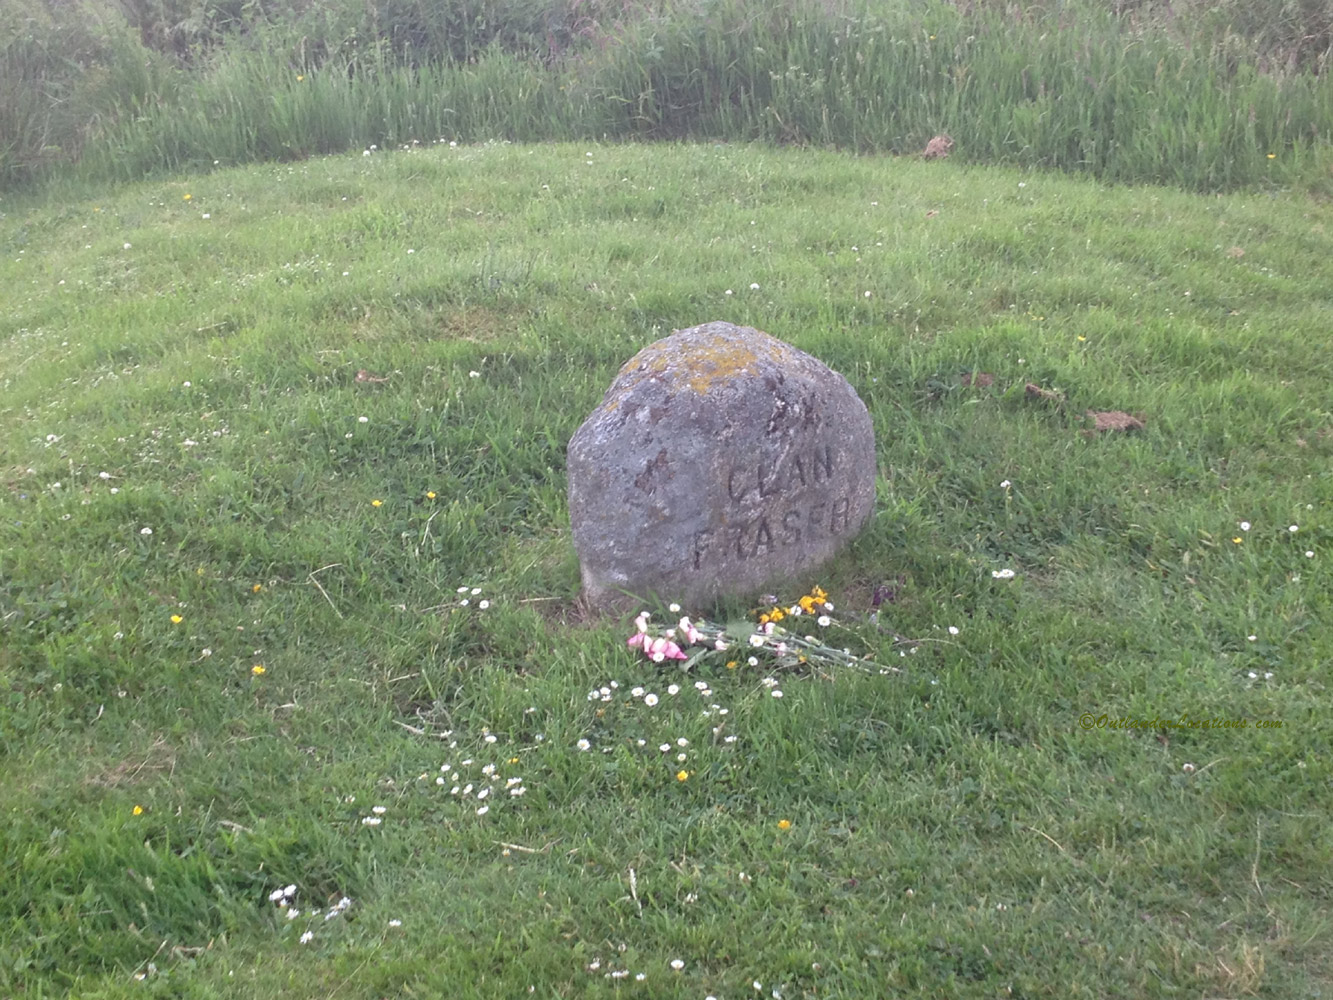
(658, 649)
(663, 649)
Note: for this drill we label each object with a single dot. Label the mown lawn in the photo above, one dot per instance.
(258, 427)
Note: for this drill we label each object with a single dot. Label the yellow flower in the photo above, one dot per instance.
(176, 619)
(256, 588)
(818, 593)
(763, 619)
(784, 824)
(187, 198)
(1272, 156)
(1081, 337)
(137, 810)
(1237, 539)
(430, 494)
(257, 669)
(682, 775)
(731, 664)
(300, 77)
(513, 760)
(776, 615)
(377, 503)
(807, 604)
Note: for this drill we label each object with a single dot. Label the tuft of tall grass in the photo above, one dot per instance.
(1125, 97)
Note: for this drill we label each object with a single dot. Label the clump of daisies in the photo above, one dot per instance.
(801, 642)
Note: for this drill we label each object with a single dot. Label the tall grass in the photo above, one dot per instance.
(1075, 88)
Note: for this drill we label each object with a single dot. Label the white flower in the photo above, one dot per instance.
(483, 794)
(127, 246)
(754, 286)
(867, 294)
(650, 699)
(756, 640)
(1294, 528)
(673, 689)
(1005, 485)
(483, 605)
(1002, 574)
(823, 620)
(636, 692)
(1187, 767)
(682, 742)
(953, 629)
(753, 661)
(1309, 553)
(720, 644)
(378, 810)
(677, 964)
(363, 420)
(474, 374)
(483, 810)
(104, 475)
(727, 292)
(673, 608)
(293, 913)
(306, 937)
(1244, 525)
(681, 757)
(776, 692)
(665, 747)
(371, 821)
(639, 977)
(145, 531)
(396, 923)
(275, 895)
(288, 892)
(1252, 638)
(583, 744)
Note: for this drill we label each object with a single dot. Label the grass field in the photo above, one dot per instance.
(231, 625)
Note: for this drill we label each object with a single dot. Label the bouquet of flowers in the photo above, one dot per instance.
(803, 641)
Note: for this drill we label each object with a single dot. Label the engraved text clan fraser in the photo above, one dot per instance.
(749, 537)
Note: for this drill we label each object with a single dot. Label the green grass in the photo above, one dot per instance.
(954, 832)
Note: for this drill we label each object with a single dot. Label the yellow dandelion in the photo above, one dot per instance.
(682, 775)
(784, 824)
(1272, 156)
(176, 619)
(763, 619)
(513, 760)
(300, 77)
(187, 197)
(257, 669)
(256, 588)
(818, 593)
(430, 494)
(1237, 539)
(776, 615)
(1081, 337)
(377, 503)
(731, 664)
(137, 810)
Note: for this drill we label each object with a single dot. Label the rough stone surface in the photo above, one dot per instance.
(720, 460)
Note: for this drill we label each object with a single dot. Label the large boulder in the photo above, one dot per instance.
(721, 460)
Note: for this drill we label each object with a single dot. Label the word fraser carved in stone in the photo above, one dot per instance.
(720, 460)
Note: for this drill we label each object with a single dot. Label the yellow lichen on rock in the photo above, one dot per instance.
(704, 365)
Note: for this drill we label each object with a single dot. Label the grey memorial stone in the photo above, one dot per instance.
(720, 460)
